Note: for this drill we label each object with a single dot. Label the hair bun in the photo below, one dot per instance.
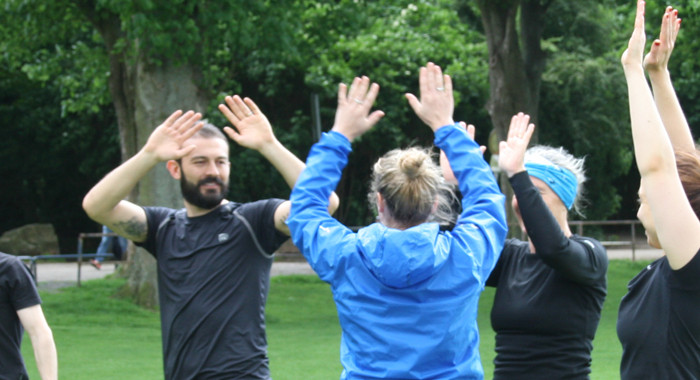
(412, 163)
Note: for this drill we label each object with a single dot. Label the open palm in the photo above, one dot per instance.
(511, 154)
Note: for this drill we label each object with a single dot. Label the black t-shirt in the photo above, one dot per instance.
(213, 279)
(17, 292)
(659, 323)
(547, 305)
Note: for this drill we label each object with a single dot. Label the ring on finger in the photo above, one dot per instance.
(358, 101)
(440, 88)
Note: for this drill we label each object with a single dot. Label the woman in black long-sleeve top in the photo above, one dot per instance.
(550, 289)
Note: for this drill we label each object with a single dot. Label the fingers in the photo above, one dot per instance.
(435, 79)
(514, 130)
(372, 93)
(448, 83)
(353, 117)
(171, 119)
(432, 79)
(639, 17)
(185, 124)
(374, 117)
(185, 150)
(358, 90)
(252, 106)
(237, 109)
(360, 93)
(423, 84)
(342, 93)
(528, 133)
(520, 128)
(471, 130)
(413, 102)
(232, 134)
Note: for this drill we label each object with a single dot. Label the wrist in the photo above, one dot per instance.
(633, 67)
(511, 173)
(148, 157)
(270, 148)
(659, 74)
(348, 134)
(443, 123)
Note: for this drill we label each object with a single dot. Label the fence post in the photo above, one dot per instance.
(80, 255)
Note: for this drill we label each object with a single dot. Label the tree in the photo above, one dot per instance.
(389, 44)
(158, 56)
(516, 58)
(538, 64)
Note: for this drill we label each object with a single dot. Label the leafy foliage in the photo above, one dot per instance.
(395, 39)
(55, 76)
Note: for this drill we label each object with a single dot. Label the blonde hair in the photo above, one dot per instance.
(411, 183)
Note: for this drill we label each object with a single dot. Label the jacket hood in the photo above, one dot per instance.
(401, 258)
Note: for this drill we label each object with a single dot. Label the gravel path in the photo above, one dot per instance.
(52, 275)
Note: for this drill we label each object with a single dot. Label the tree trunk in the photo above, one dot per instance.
(158, 92)
(514, 73)
(144, 95)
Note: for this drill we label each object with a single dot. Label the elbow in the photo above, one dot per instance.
(90, 206)
(333, 203)
(40, 334)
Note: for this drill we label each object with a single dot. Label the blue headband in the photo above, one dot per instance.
(561, 181)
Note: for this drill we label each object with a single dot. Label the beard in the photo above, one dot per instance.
(208, 200)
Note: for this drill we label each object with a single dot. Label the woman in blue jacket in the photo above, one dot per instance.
(406, 292)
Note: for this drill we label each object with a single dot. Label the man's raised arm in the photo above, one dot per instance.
(105, 203)
(253, 131)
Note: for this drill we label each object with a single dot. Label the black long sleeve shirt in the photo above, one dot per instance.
(547, 304)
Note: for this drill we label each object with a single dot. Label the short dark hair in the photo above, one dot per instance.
(209, 131)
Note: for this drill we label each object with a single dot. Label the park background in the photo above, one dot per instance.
(84, 82)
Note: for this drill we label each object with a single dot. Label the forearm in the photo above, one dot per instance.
(544, 231)
(312, 229)
(101, 200)
(45, 355)
(652, 147)
(290, 167)
(567, 256)
(474, 176)
(670, 110)
(482, 200)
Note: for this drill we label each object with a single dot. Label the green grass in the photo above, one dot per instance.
(99, 336)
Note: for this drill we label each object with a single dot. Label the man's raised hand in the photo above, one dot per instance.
(167, 141)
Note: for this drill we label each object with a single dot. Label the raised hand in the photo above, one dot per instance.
(167, 141)
(511, 153)
(659, 54)
(632, 56)
(436, 103)
(352, 117)
(252, 129)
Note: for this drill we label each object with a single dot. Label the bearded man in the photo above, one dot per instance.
(214, 256)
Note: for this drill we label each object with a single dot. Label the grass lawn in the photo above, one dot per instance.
(99, 336)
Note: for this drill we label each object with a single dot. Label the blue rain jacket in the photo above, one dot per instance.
(406, 300)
